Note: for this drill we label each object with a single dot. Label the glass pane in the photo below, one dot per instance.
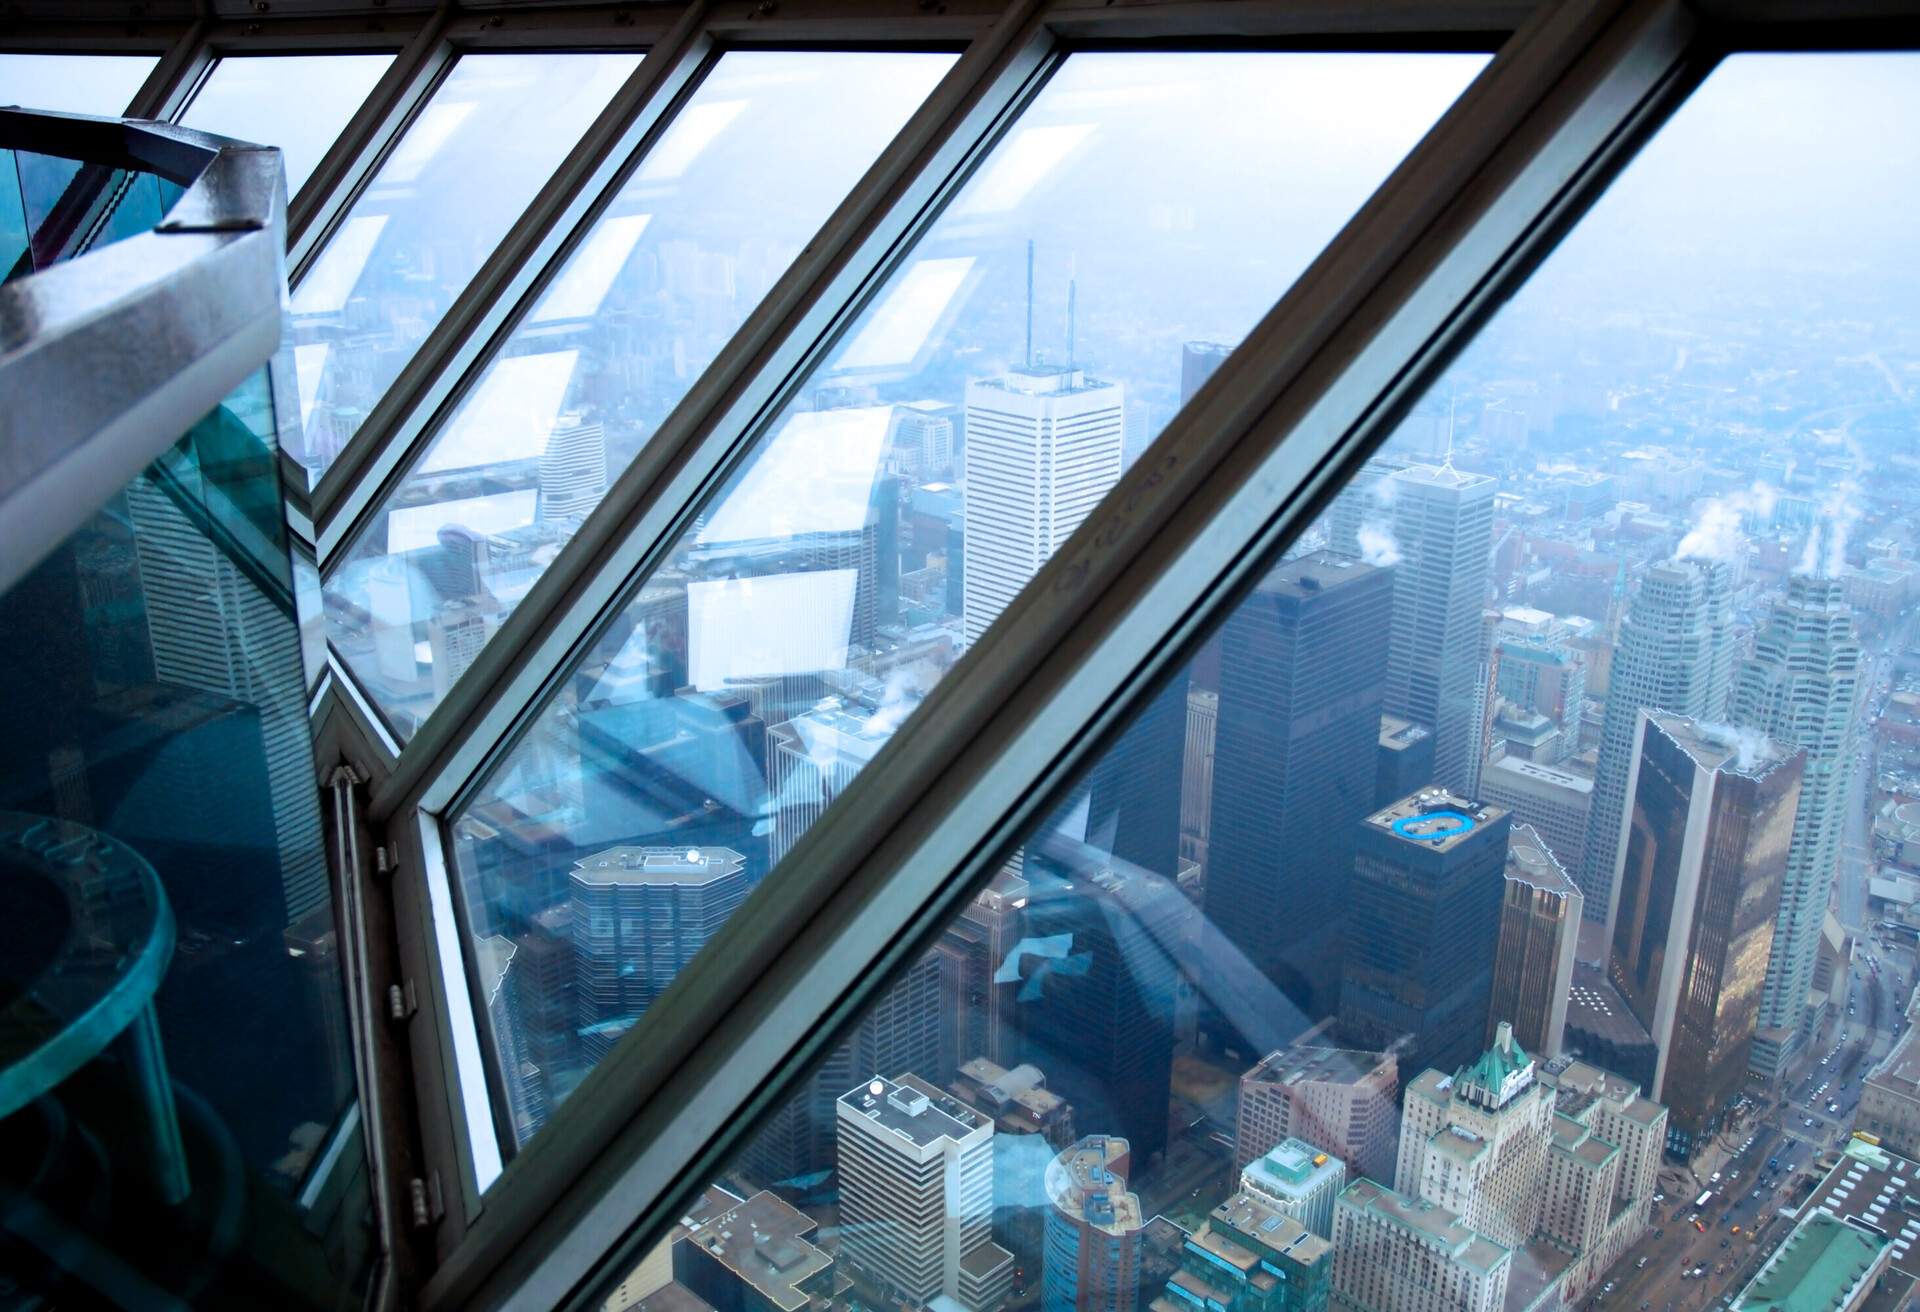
(296, 102)
(883, 520)
(712, 216)
(1312, 991)
(73, 84)
(177, 1122)
(68, 208)
(464, 170)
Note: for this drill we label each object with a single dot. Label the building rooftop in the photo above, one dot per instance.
(1313, 573)
(1300, 1063)
(1725, 748)
(1293, 1168)
(1877, 1192)
(1443, 478)
(1041, 380)
(1530, 861)
(1397, 734)
(1555, 776)
(1899, 1070)
(683, 866)
(763, 1241)
(1502, 1073)
(1434, 818)
(1821, 1265)
(1252, 1216)
(1433, 1225)
(1595, 1006)
(913, 1109)
(1089, 1182)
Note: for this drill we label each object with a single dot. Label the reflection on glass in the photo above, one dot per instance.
(73, 84)
(296, 102)
(465, 169)
(1027, 349)
(1482, 919)
(174, 1069)
(712, 215)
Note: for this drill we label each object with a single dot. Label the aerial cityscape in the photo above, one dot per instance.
(1512, 905)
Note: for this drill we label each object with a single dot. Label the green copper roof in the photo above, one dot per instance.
(1814, 1269)
(1506, 1057)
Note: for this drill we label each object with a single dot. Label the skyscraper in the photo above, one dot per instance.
(573, 470)
(916, 1195)
(1250, 1256)
(1094, 1230)
(1302, 673)
(1199, 361)
(1300, 1180)
(1427, 884)
(979, 938)
(639, 915)
(1044, 444)
(1675, 654)
(1555, 801)
(1801, 687)
(1710, 822)
(1533, 963)
(809, 760)
(1442, 533)
(1549, 678)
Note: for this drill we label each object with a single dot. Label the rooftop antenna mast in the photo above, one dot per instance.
(1029, 302)
(1452, 398)
(1072, 289)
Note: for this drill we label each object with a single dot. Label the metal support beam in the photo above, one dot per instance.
(1193, 524)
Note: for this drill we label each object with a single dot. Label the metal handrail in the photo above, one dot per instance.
(106, 359)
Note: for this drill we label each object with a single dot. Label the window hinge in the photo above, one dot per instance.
(428, 1205)
(384, 862)
(402, 1001)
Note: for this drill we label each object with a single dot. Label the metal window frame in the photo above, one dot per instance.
(1185, 534)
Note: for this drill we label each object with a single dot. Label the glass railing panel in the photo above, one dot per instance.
(15, 235)
(1068, 296)
(175, 1075)
(69, 207)
(298, 103)
(73, 84)
(464, 170)
(694, 237)
(1301, 997)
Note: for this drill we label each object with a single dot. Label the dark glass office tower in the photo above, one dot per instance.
(1302, 673)
(1425, 919)
(1133, 801)
(1710, 823)
(1198, 362)
(1097, 977)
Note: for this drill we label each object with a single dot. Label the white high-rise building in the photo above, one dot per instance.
(212, 629)
(916, 1195)
(1675, 654)
(573, 470)
(1044, 444)
(1440, 540)
(1801, 687)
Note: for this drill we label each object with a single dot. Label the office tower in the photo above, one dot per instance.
(1032, 1125)
(751, 1255)
(456, 631)
(1094, 1239)
(1340, 1098)
(984, 1010)
(1199, 361)
(1096, 980)
(916, 1195)
(1196, 774)
(1392, 1253)
(1250, 1257)
(639, 915)
(1548, 678)
(573, 470)
(1554, 801)
(1475, 1142)
(499, 986)
(1299, 1180)
(1441, 531)
(809, 760)
(1425, 917)
(1801, 687)
(920, 439)
(543, 964)
(213, 630)
(1404, 763)
(1675, 654)
(1044, 444)
(1302, 673)
(1133, 790)
(1708, 829)
(1618, 1111)
(1363, 503)
(1533, 962)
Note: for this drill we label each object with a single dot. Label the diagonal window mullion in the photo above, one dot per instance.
(1326, 371)
(708, 431)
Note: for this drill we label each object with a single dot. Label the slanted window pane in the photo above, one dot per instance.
(73, 84)
(955, 436)
(296, 102)
(1345, 977)
(711, 216)
(463, 171)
